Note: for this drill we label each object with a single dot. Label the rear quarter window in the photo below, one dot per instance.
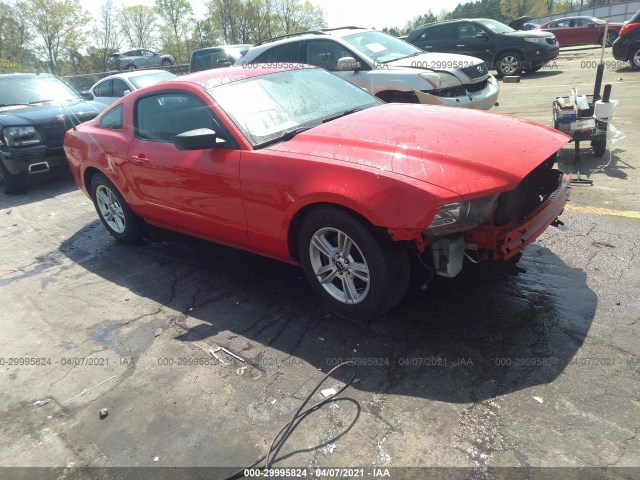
(112, 119)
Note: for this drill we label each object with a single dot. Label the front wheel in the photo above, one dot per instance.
(599, 147)
(509, 63)
(357, 270)
(114, 212)
(166, 62)
(10, 184)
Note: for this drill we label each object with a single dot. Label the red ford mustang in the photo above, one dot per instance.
(302, 166)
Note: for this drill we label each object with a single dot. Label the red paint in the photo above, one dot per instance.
(394, 165)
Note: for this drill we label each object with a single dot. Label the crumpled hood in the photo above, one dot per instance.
(465, 151)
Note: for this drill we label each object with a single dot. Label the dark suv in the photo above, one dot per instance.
(504, 49)
(216, 57)
(627, 45)
(36, 110)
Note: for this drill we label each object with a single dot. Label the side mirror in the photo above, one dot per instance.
(482, 35)
(199, 139)
(348, 63)
(127, 92)
(86, 95)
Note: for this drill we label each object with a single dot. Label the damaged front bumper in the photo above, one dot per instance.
(507, 241)
(483, 99)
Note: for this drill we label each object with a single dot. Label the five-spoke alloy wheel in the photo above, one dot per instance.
(354, 266)
(113, 210)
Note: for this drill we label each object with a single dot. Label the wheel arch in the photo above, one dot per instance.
(299, 216)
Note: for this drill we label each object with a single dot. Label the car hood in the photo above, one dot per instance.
(529, 33)
(47, 113)
(433, 58)
(468, 152)
(518, 23)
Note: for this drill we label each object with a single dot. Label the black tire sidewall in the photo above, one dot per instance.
(382, 276)
(10, 184)
(132, 223)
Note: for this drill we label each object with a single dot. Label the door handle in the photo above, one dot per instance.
(139, 159)
(460, 45)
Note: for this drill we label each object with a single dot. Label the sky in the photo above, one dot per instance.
(361, 13)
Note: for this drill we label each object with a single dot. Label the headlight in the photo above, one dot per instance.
(535, 40)
(19, 136)
(440, 80)
(459, 216)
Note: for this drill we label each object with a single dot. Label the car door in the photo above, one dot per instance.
(439, 38)
(326, 53)
(151, 59)
(469, 43)
(589, 32)
(120, 88)
(562, 32)
(197, 191)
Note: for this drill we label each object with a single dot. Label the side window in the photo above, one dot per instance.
(582, 22)
(146, 53)
(162, 117)
(325, 54)
(112, 119)
(103, 89)
(468, 31)
(441, 32)
(119, 87)
(289, 52)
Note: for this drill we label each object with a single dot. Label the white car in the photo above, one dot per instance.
(385, 66)
(113, 87)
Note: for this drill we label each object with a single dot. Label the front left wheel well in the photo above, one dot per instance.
(300, 215)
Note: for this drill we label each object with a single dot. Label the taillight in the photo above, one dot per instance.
(627, 28)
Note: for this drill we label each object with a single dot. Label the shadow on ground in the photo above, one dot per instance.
(482, 334)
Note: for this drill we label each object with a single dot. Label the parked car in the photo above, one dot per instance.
(298, 165)
(627, 45)
(504, 49)
(385, 66)
(35, 112)
(139, 58)
(216, 57)
(113, 87)
(572, 31)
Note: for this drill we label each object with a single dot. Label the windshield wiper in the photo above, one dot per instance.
(12, 104)
(342, 114)
(402, 58)
(287, 135)
(40, 101)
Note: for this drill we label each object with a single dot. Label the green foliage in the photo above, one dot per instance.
(55, 25)
(178, 18)
(15, 55)
(140, 27)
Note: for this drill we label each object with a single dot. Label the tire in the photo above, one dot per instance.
(599, 147)
(367, 279)
(509, 63)
(131, 67)
(533, 69)
(611, 37)
(634, 57)
(114, 212)
(10, 184)
(166, 62)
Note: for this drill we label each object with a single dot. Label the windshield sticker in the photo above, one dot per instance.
(376, 47)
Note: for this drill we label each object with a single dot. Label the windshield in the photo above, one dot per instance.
(141, 81)
(381, 47)
(495, 27)
(267, 107)
(19, 89)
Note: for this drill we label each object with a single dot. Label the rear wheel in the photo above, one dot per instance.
(131, 67)
(611, 37)
(509, 63)
(114, 212)
(357, 270)
(634, 57)
(9, 183)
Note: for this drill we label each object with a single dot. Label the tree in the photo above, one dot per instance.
(140, 26)
(55, 25)
(512, 9)
(297, 16)
(107, 38)
(14, 40)
(177, 16)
